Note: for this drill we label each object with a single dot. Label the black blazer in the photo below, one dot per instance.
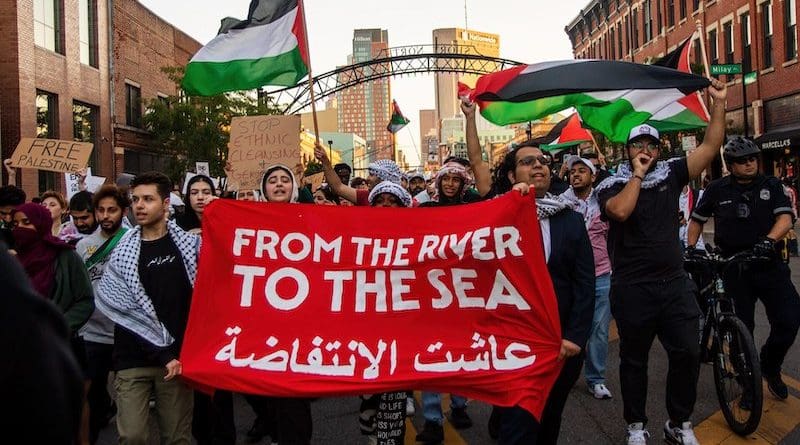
(571, 267)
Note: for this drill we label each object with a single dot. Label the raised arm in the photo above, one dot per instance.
(341, 189)
(715, 133)
(480, 168)
(10, 172)
(620, 207)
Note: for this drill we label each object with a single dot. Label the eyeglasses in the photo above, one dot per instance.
(646, 146)
(747, 160)
(529, 160)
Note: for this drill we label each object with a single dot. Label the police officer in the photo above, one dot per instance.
(751, 211)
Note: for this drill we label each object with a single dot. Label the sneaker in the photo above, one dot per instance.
(776, 386)
(410, 409)
(459, 418)
(432, 433)
(599, 391)
(637, 435)
(679, 436)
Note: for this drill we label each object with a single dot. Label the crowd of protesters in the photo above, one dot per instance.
(119, 265)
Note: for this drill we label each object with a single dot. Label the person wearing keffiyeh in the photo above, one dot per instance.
(379, 171)
(570, 263)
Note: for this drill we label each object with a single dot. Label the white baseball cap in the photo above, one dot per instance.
(572, 160)
(644, 130)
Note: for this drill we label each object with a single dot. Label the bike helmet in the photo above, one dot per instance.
(739, 147)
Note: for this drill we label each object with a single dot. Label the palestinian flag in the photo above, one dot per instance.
(689, 112)
(269, 48)
(567, 133)
(398, 120)
(611, 96)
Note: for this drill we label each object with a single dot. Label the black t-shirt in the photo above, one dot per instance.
(163, 276)
(646, 247)
(743, 213)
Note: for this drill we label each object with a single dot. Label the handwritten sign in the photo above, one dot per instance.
(316, 180)
(202, 168)
(479, 297)
(51, 154)
(93, 183)
(258, 142)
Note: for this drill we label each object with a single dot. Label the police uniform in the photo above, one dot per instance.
(743, 215)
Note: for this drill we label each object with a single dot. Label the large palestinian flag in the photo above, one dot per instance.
(611, 96)
(269, 48)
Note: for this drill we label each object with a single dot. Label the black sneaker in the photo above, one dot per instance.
(460, 419)
(432, 434)
(776, 386)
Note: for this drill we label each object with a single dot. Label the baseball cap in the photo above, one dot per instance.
(644, 130)
(572, 160)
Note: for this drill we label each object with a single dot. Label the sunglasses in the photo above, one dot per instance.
(529, 160)
(646, 146)
(747, 160)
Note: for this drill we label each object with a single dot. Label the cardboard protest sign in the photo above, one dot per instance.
(315, 180)
(51, 154)
(312, 301)
(258, 142)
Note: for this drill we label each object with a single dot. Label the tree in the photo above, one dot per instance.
(197, 129)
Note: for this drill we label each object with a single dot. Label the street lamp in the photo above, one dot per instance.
(330, 149)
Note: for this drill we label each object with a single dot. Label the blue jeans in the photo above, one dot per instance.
(432, 405)
(597, 346)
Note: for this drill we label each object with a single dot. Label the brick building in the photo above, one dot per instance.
(762, 35)
(59, 72)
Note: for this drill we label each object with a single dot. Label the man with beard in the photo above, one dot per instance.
(568, 254)
(651, 295)
(146, 290)
(416, 183)
(82, 212)
(110, 205)
(583, 200)
(751, 211)
(343, 171)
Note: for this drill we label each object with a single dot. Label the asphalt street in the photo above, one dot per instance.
(586, 420)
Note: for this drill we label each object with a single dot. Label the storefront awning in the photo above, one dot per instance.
(778, 140)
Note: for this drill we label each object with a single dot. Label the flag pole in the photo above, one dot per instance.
(310, 74)
(699, 26)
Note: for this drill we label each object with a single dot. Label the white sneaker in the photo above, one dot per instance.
(680, 436)
(410, 409)
(637, 435)
(599, 391)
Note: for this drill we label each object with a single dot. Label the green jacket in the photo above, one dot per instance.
(72, 292)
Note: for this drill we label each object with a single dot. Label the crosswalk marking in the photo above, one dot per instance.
(779, 418)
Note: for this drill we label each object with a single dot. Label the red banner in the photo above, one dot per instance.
(308, 301)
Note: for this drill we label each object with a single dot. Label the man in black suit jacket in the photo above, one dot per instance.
(571, 265)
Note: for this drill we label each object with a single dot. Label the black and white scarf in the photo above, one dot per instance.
(651, 180)
(549, 205)
(589, 207)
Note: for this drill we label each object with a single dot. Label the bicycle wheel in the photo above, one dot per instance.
(737, 376)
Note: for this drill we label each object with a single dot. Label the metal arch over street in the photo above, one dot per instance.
(390, 62)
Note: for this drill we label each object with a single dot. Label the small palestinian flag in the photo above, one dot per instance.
(611, 96)
(567, 133)
(269, 48)
(398, 120)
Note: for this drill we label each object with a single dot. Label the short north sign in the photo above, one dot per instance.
(729, 68)
(51, 154)
(258, 142)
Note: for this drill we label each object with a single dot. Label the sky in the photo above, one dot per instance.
(530, 31)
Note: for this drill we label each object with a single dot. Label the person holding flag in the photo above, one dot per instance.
(651, 295)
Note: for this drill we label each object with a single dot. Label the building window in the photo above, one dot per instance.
(727, 35)
(713, 49)
(619, 40)
(698, 59)
(635, 32)
(611, 44)
(46, 127)
(682, 4)
(670, 13)
(647, 21)
(744, 23)
(84, 128)
(695, 5)
(47, 24)
(88, 32)
(659, 18)
(133, 105)
(766, 25)
(790, 17)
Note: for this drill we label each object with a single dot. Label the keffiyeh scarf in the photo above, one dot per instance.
(386, 169)
(651, 180)
(120, 294)
(549, 205)
(589, 208)
(392, 188)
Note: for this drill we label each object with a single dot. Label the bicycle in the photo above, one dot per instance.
(726, 342)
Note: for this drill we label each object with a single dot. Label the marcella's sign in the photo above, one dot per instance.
(775, 144)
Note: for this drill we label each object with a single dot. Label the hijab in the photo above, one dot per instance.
(38, 249)
(295, 193)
